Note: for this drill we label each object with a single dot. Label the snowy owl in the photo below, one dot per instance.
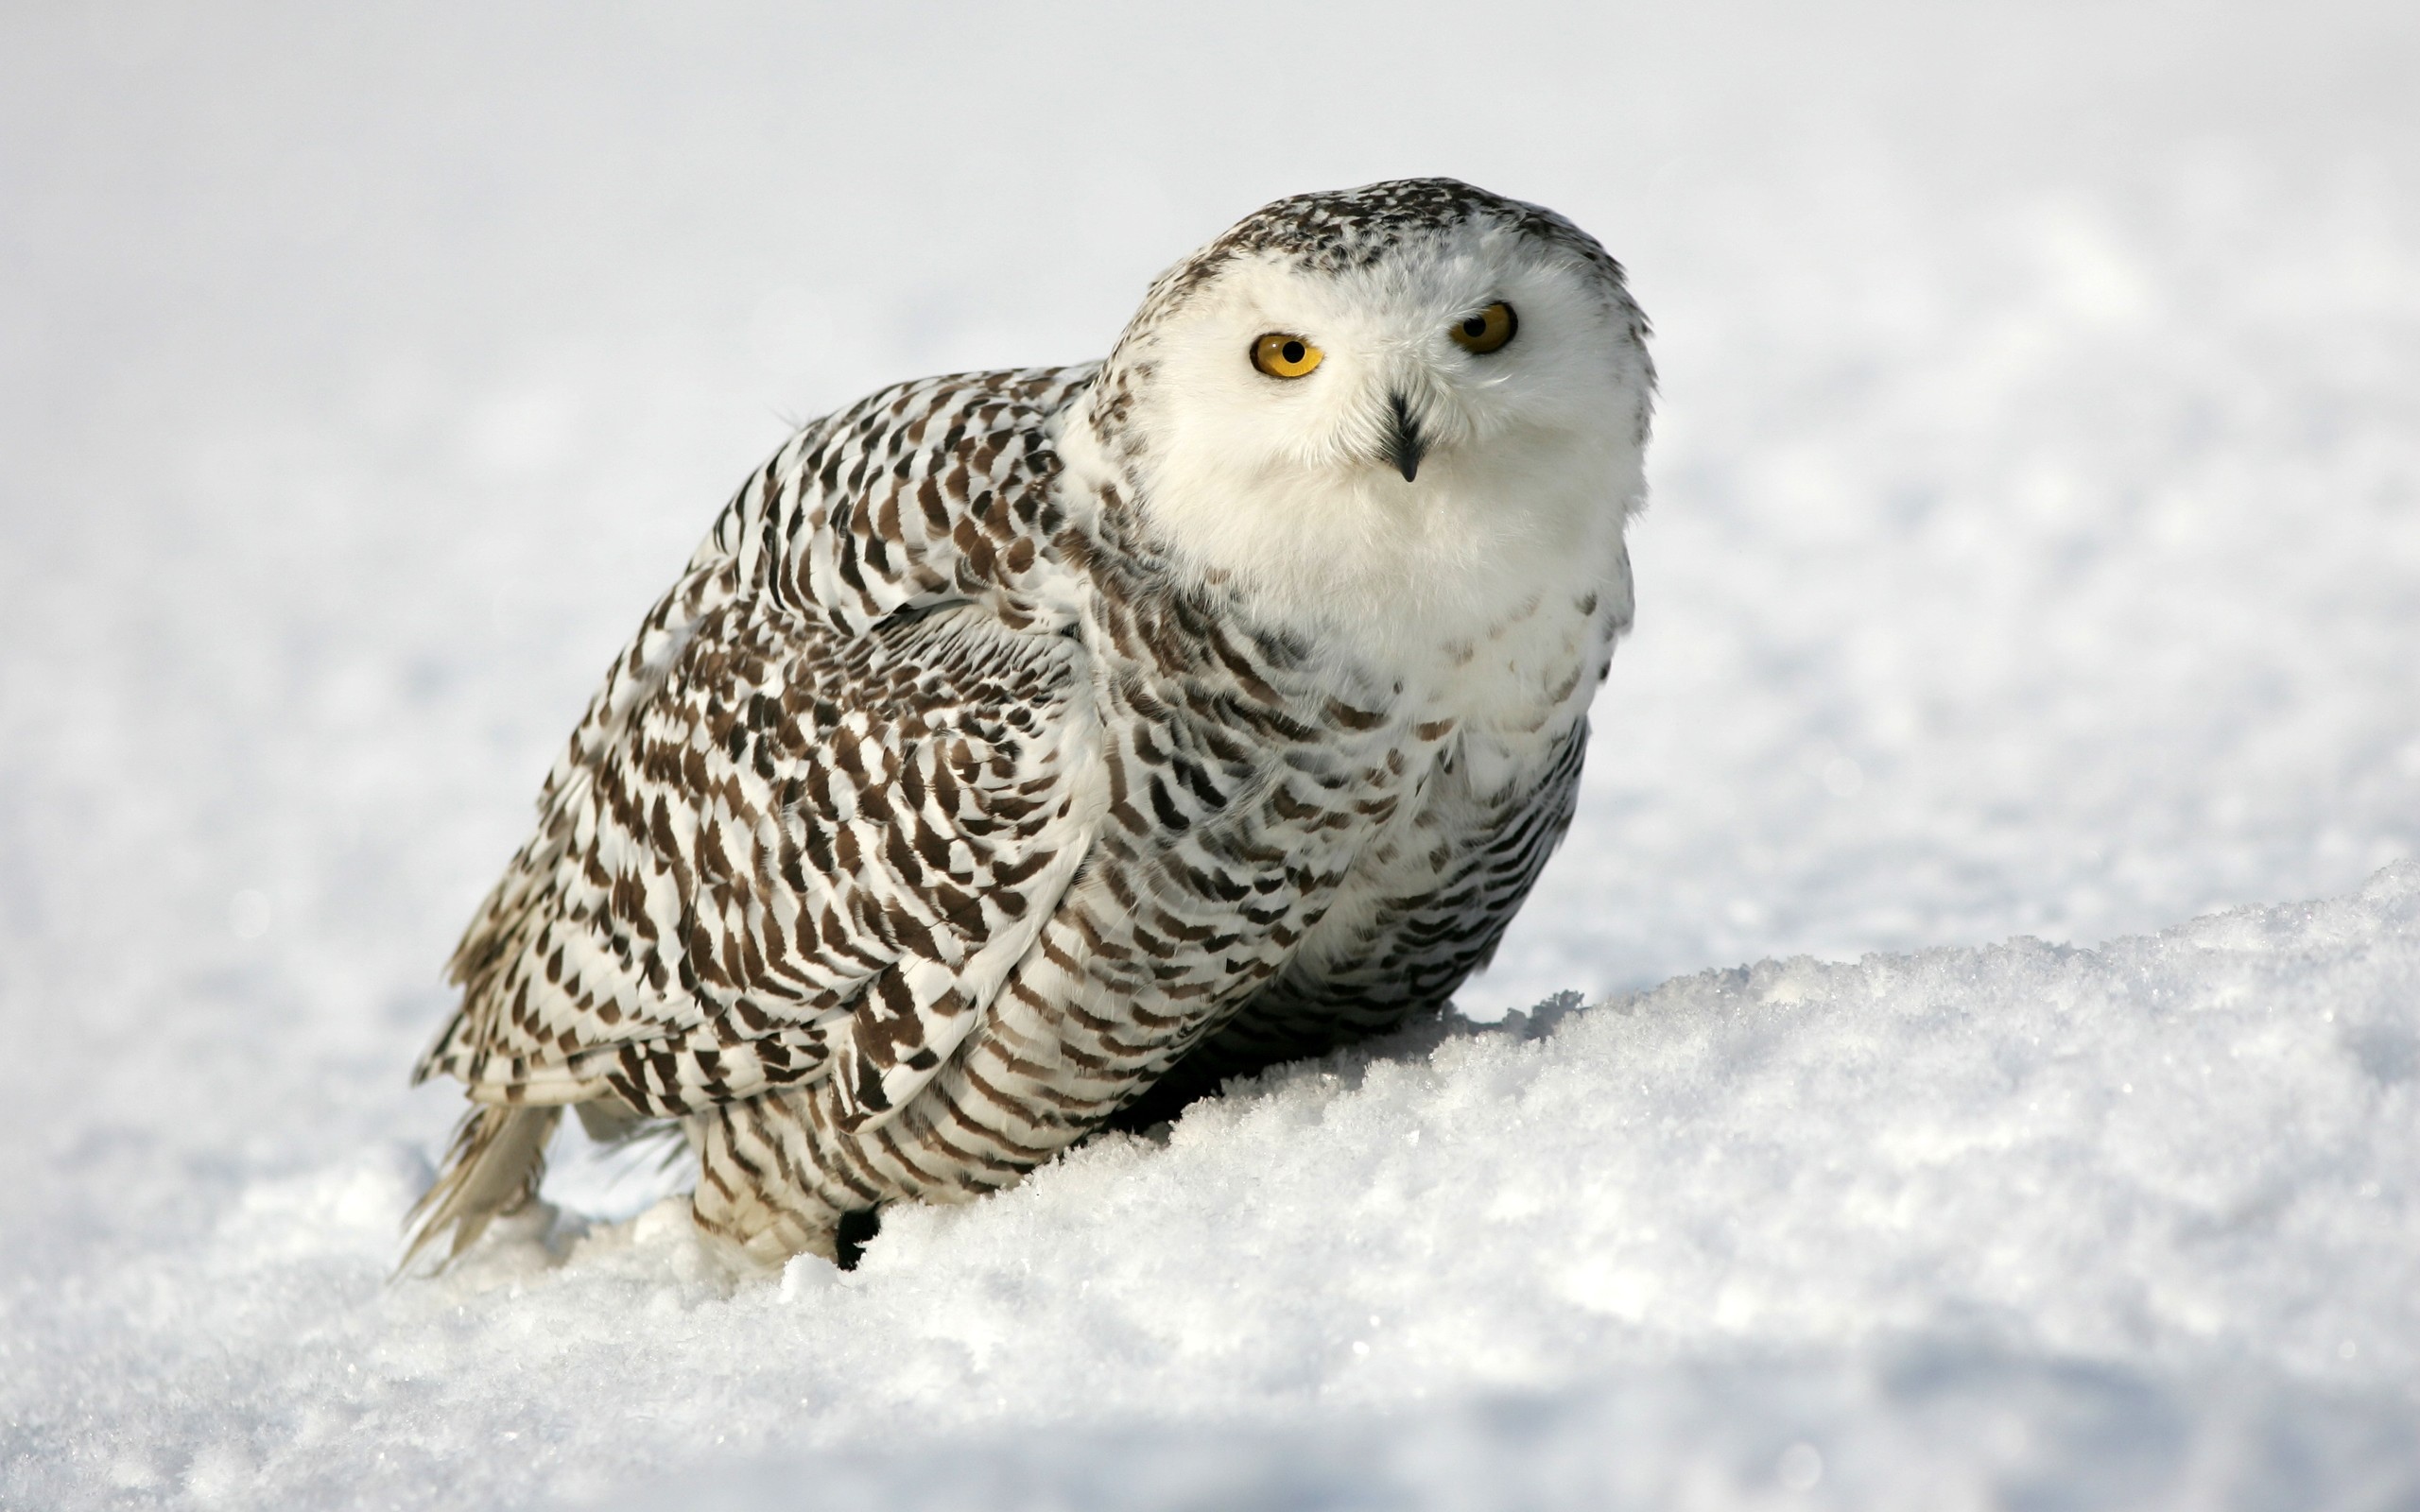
(1022, 747)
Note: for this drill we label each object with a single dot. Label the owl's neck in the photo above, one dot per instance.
(1394, 576)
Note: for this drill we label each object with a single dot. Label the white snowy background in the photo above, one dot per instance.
(1970, 1109)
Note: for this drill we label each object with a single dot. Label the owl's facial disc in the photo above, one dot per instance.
(1419, 431)
(1457, 354)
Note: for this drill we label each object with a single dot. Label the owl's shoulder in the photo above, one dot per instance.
(933, 490)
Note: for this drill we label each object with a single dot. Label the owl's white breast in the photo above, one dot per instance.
(1487, 595)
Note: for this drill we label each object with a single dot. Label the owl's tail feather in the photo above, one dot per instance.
(497, 1160)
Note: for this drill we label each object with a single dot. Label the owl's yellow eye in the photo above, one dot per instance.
(1488, 330)
(1283, 356)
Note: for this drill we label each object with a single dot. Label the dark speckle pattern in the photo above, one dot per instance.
(930, 819)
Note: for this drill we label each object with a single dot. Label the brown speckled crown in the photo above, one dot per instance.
(1338, 229)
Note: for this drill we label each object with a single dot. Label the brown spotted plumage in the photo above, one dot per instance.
(988, 765)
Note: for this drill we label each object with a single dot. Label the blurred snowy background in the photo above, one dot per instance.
(2035, 552)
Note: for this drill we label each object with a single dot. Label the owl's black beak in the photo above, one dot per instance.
(1404, 445)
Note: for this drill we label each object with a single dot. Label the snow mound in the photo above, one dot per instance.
(2021, 1224)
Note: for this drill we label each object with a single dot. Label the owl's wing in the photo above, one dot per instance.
(823, 805)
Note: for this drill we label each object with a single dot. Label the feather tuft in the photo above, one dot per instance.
(497, 1161)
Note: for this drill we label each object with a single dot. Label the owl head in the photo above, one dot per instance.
(1402, 401)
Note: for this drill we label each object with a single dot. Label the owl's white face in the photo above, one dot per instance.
(1525, 460)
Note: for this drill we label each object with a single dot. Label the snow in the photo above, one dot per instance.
(1964, 1113)
(1887, 1228)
